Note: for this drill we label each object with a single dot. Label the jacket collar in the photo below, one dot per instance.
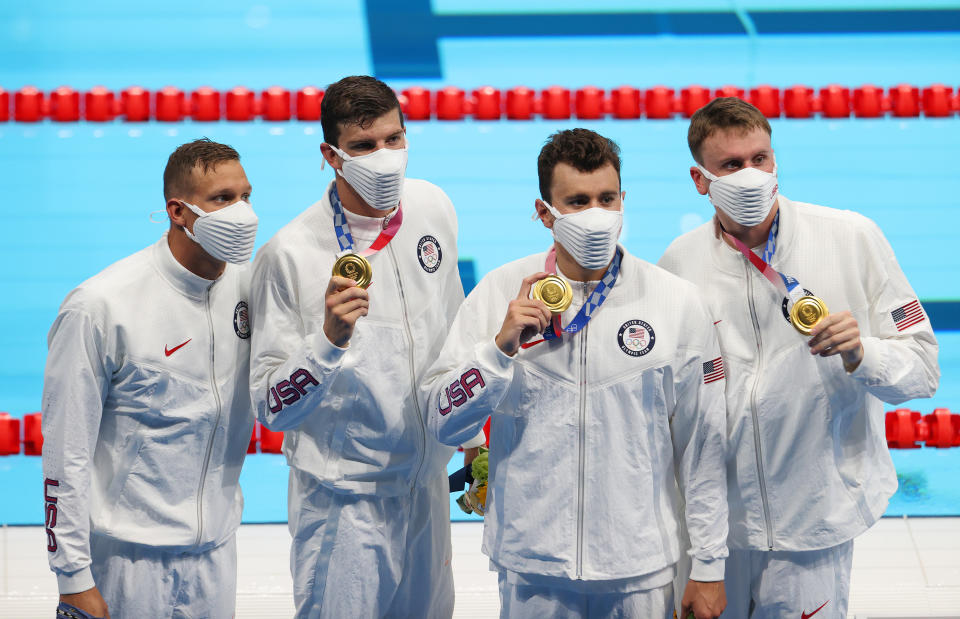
(177, 275)
(730, 260)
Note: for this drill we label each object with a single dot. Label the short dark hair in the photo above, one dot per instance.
(203, 153)
(357, 100)
(723, 114)
(583, 149)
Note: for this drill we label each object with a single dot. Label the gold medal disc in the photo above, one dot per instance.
(806, 313)
(355, 267)
(555, 293)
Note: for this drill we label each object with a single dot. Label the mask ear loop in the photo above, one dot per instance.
(152, 213)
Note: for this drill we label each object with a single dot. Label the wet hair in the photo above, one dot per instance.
(203, 153)
(355, 100)
(723, 114)
(583, 149)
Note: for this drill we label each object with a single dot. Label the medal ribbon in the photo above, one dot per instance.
(589, 308)
(342, 228)
(788, 286)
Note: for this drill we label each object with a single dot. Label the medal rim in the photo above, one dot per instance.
(795, 320)
(365, 267)
(565, 301)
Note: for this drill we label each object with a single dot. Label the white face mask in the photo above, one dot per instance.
(590, 235)
(376, 176)
(746, 196)
(227, 234)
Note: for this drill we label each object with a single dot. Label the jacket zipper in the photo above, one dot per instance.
(216, 425)
(755, 411)
(413, 374)
(583, 448)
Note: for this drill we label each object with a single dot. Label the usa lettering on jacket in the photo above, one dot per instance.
(288, 391)
(461, 390)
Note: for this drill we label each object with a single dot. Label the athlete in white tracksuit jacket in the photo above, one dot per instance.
(809, 467)
(360, 456)
(337, 367)
(146, 422)
(590, 432)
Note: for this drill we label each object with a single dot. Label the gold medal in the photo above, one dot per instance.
(355, 267)
(806, 313)
(555, 293)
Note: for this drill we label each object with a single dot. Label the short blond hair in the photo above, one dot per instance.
(723, 114)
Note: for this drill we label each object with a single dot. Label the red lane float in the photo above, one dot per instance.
(28, 105)
(451, 103)
(692, 98)
(658, 102)
(486, 103)
(4, 105)
(309, 100)
(65, 105)
(520, 103)
(835, 101)
(99, 105)
(275, 104)
(241, 104)
(798, 102)
(32, 436)
(766, 99)
(9, 435)
(168, 104)
(937, 100)
(135, 104)
(415, 103)
(625, 102)
(270, 442)
(590, 103)
(555, 103)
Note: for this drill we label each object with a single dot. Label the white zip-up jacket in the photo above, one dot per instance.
(809, 466)
(351, 415)
(146, 412)
(591, 433)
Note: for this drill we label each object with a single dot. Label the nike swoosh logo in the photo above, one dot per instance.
(170, 351)
(806, 616)
(718, 321)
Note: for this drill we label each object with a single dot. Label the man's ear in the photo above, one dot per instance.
(330, 157)
(544, 214)
(701, 181)
(175, 211)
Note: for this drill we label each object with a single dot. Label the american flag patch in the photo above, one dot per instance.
(908, 315)
(712, 371)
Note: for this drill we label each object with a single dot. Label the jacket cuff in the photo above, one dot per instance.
(75, 582)
(327, 354)
(870, 370)
(478, 441)
(707, 571)
(491, 357)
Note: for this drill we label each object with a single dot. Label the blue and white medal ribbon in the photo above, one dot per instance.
(589, 308)
(342, 228)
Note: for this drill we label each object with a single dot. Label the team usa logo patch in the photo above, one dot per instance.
(636, 338)
(786, 303)
(713, 371)
(241, 320)
(429, 254)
